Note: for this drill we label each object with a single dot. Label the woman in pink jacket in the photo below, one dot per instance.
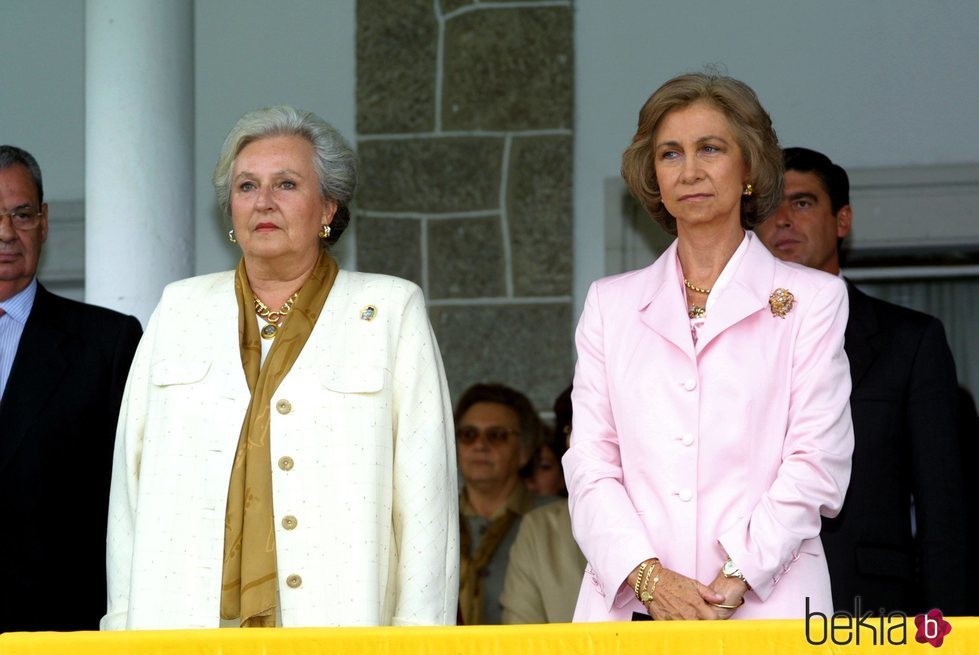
(711, 416)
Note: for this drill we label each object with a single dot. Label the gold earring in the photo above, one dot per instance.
(325, 232)
(748, 190)
(231, 236)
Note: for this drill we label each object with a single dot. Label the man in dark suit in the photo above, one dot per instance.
(63, 365)
(907, 455)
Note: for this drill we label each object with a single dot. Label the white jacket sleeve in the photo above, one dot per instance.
(426, 513)
(125, 482)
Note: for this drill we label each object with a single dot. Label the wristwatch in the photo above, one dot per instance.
(730, 570)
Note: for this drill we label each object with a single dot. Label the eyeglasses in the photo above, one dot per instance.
(23, 218)
(495, 434)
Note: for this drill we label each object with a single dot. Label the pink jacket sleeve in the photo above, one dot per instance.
(605, 523)
(816, 453)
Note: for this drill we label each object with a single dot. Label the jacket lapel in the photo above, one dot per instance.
(663, 308)
(222, 322)
(39, 362)
(746, 293)
(861, 327)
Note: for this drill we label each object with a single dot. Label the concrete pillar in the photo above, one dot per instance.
(139, 150)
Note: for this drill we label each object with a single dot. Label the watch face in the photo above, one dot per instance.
(729, 569)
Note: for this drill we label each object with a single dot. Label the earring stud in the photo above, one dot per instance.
(748, 190)
(325, 232)
(231, 236)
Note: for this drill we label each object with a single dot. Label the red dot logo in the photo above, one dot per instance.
(932, 628)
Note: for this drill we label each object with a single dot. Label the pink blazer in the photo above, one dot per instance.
(733, 447)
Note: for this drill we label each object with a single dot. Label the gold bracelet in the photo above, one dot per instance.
(646, 596)
(729, 607)
(642, 568)
(645, 578)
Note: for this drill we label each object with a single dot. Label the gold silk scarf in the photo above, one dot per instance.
(471, 568)
(249, 579)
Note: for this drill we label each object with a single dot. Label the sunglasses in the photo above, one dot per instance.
(495, 434)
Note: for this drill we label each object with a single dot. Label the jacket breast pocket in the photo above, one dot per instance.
(356, 413)
(356, 393)
(171, 372)
(353, 379)
(186, 385)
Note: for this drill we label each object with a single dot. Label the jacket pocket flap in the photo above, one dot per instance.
(359, 379)
(168, 372)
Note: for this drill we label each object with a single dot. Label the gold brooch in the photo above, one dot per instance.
(368, 313)
(781, 302)
(696, 311)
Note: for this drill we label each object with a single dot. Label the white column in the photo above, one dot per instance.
(139, 150)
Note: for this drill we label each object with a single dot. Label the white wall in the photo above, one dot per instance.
(42, 80)
(248, 54)
(870, 83)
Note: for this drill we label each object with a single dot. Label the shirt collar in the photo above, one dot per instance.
(727, 273)
(18, 306)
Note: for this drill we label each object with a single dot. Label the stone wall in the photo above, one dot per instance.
(464, 119)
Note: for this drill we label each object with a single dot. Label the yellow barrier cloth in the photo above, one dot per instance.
(667, 638)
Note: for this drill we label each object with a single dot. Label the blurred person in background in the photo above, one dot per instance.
(497, 431)
(544, 473)
(546, 565)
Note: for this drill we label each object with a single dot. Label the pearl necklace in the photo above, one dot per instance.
(274, 319)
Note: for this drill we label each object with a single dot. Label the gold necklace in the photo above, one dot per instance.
(702, 290)
(695, 310)
(274, 319)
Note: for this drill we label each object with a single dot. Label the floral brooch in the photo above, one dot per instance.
(781, 302)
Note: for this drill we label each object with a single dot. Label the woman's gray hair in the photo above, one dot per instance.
(333, 159)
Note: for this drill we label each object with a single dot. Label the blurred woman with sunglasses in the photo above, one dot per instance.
(497, 430)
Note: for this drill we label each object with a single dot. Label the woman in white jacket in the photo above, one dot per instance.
(285, 454)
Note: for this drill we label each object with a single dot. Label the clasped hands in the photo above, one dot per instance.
(678, 597)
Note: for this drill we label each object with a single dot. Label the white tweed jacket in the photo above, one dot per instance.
(363, 464)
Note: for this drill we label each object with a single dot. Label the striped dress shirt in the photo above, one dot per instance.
(13, 317)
